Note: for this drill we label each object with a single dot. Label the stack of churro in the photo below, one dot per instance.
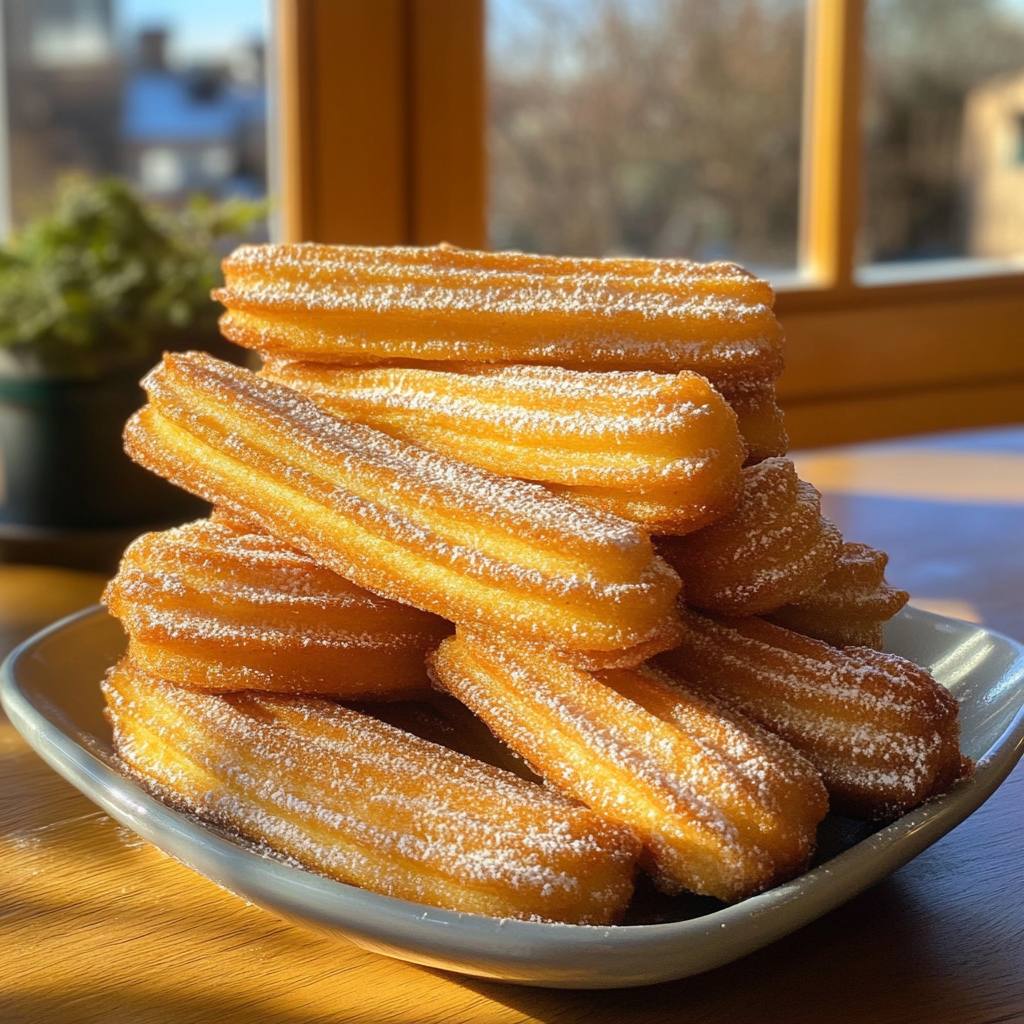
(449, 471)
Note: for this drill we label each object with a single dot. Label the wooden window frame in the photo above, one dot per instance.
(381, 115)
(382, 121)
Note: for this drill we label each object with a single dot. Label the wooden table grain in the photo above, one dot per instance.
(96, 925)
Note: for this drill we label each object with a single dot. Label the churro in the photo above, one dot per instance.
(851, 605)
(771, 550)
(218, 606)
(361, 305)
(660, 449)
(365, 803)
(761, 422)
(723, 810)
(882, 732)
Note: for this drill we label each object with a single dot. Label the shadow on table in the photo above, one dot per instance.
(806, 977)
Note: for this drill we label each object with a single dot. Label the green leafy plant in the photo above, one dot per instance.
(106, 280)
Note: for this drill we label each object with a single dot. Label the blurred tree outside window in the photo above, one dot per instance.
(673, 127)
(657, 127)
(650, 127)
(169, 94)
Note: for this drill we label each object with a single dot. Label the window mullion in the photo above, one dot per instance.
(831, 173)
(342, 102)
(290, 130)
(448, 123)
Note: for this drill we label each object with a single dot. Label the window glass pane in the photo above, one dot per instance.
(659, 127)
(168, 93)
(944, 132)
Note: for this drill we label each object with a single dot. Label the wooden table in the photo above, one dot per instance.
(95, 925)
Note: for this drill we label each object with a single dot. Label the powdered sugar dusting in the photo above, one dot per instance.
(663, 450)
(218, 606)
(341, 302)
(880, 729)
(701, 799)
(398, 519)
(851, 604)
(364, 802)
(772, 548)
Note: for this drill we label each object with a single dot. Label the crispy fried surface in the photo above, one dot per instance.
(773, 548)
(362, 305)
(660, 449)
(761, 421)
(723, 810)
(626, 657)
(219, 606)
(882, 732)
(850, 606)
(404, 522)
(368, 804)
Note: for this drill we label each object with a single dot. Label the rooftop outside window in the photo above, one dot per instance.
(169, 94)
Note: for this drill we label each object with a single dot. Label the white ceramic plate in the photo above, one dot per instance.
(49, 687)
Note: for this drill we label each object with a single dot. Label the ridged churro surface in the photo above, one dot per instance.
(218, 606)
(360, 305)
(398, 519)
(723, 810)
(368, 804)
(660, 449)
(771, 549)
(851, 605)
(761, 421)
(882, 732)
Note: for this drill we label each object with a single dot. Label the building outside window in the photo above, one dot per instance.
(170, 95)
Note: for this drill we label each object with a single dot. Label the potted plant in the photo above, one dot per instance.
(90, 295)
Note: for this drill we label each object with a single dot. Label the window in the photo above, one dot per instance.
(944, 92)
(659, 127)
(168, 93)
(382, 141)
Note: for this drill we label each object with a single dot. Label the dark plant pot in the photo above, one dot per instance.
(63, 463)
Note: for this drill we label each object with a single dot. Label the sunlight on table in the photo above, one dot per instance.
(982, 478)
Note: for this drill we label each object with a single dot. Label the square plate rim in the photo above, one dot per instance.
(529, 952)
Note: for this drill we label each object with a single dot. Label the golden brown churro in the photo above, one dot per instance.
(723, 809)
(660, 449)
(761, 422)
(360, 305)
(368, 804)
(218, 606)
(773, 548)
(882, 732)
(404, 522)
(850, 606)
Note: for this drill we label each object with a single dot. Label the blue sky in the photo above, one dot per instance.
(209, 26)
(199, 27)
